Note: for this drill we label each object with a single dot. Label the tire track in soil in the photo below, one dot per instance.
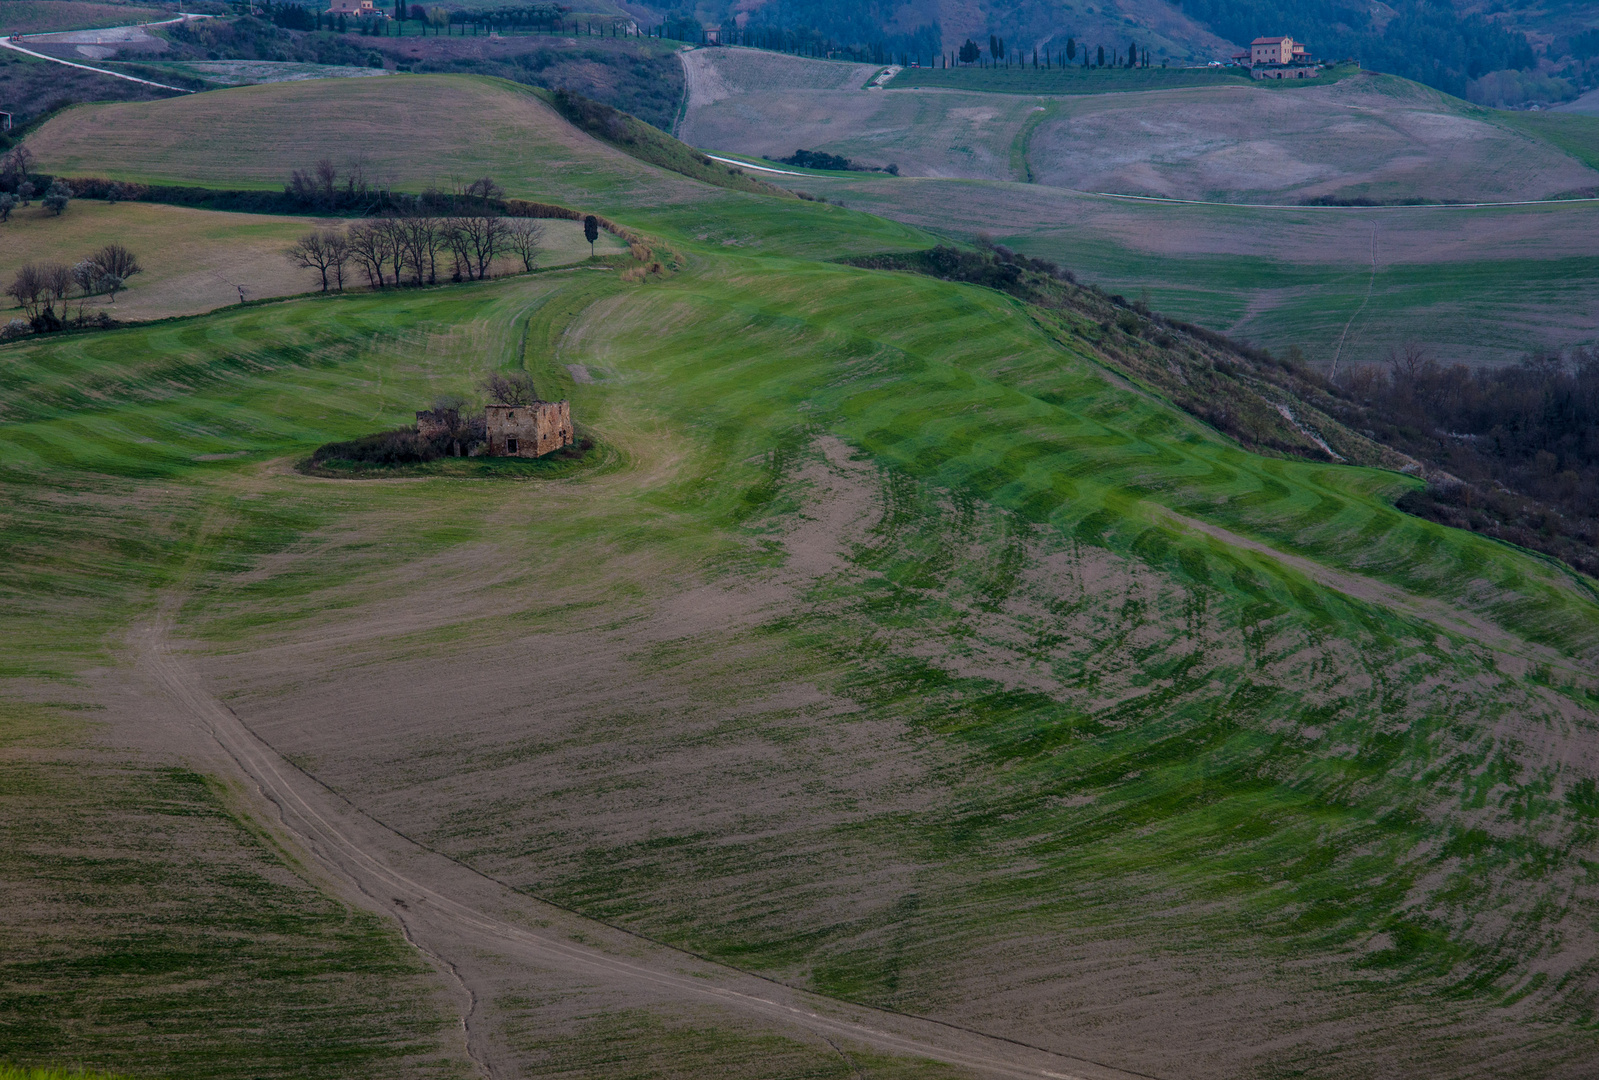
(444, 909)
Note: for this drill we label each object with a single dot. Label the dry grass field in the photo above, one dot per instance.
(408, 130)
(1370, 136)
(54, 16)
(758, 103)
(194, 260)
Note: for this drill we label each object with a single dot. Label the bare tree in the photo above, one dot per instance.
(453, 231)
(421, 236)
(318, 251)
(37, 288)
(479, 238)
(326, 177)
(28, 289)
(525, 237)
(395, 249)
(369, 249)
(339, 257)
(86, 276)
(58, 280)
(512, 389)
(117, 264)
(16, 165)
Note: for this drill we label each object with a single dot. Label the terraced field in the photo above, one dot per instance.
(887, 645)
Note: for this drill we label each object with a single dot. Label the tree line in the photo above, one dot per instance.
(1517, 447)
(972, 53)
(401, 248)
(40, 289)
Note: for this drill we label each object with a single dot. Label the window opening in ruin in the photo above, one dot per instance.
(510, 446)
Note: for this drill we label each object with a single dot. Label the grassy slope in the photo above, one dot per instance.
(1220, 756)
(150, 932)
(1576, 135)
(946, 389)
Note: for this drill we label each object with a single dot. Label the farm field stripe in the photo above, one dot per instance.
(1312, 206)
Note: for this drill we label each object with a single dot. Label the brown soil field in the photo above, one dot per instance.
(1367, 136)
(768, 104)
(1362, 137)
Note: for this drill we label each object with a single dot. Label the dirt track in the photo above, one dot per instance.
(483, 934)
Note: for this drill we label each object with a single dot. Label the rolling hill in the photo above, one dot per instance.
(891, 644)
(1480, 286)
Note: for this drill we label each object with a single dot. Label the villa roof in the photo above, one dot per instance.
(1270, 40)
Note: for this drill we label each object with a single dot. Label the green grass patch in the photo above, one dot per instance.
(58, 1072)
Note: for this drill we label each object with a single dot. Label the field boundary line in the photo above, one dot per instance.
(1304, 206)
(1371, 283)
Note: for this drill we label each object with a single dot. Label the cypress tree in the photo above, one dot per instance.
(1071, 48)
(1102, 56)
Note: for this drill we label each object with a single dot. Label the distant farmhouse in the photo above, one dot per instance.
(1277, 58)
(355, 7)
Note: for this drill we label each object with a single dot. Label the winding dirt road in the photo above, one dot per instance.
(486, 936)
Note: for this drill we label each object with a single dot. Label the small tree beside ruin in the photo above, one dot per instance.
(515, 388)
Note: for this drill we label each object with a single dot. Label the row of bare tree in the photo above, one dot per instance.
(39, 288)
(409, 249)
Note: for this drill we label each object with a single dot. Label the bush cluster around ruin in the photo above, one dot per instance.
(452, 438)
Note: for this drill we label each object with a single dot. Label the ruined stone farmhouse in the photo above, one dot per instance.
(528, 430)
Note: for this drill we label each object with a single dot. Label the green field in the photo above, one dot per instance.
(892, 647)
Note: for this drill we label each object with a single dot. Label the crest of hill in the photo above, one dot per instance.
(409, 132)
(1360, 136)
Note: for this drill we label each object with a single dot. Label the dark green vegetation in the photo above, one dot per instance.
(1517, 443)
(1430, 43)
(639, 76)
(250, 38)
(150, 931)
(1079, 687)
(401, 453)
(650, 146)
